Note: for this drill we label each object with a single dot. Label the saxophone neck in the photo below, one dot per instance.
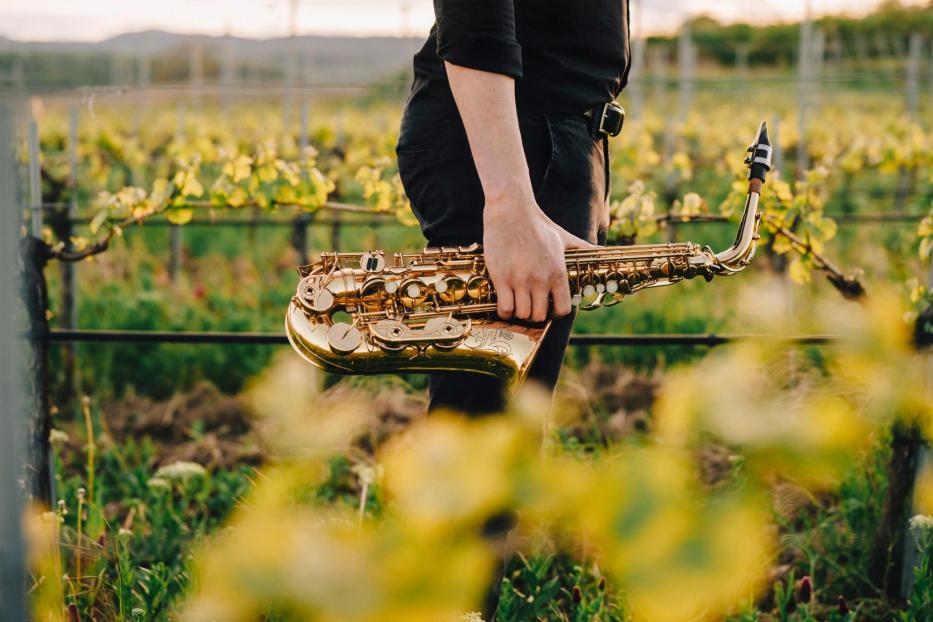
(742, 250)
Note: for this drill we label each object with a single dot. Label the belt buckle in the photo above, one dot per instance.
(612, 113)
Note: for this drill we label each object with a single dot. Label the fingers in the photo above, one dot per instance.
(522, 304)
(572, 241)
(540, 304)
(506, 302)
(560, 292)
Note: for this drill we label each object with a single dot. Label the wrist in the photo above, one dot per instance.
(510, 201)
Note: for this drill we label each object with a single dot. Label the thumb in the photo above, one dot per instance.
(571, 241)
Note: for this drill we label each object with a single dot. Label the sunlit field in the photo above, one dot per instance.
(771, 477)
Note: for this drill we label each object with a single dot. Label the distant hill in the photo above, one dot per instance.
(166, 57)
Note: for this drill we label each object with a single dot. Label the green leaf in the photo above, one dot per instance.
(926, 248)
(237, 198)
(267, 173)
(826, 227)
(192, 187)
(179, 216)
(161, 192)
(782, 245)
(799, 271)
(926, 227)
(99, 219)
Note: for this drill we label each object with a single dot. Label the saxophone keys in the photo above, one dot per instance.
(451, 290)
(374, 294)
(445, 333)
(373, 261)
(344, 338)
(321, 301)
(413, 293)
(589, 297)
(479, 288)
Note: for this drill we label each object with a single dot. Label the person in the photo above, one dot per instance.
(504, 142)
(500, 144)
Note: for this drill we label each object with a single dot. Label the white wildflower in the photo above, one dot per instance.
(58, 437)
(368, 474)
(471, 617)
(181, 470)
(921, 522)
(159, 483)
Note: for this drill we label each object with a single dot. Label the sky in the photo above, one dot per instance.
(93, 20)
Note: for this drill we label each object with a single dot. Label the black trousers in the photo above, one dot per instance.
(569, 169)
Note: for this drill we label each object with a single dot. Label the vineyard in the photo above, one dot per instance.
(752, 449)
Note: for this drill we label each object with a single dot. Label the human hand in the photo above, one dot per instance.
(524, 252)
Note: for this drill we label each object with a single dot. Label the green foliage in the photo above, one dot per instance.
(778, 43)
(132, 563)
(550, 587)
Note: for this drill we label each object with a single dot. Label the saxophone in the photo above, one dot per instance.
(360, 313)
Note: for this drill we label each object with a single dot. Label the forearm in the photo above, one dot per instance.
(486, 102)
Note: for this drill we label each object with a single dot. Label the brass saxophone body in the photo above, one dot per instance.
(366, 313)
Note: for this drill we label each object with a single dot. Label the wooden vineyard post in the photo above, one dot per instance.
(636, 73)
(299, 238)
(34, 255)
(913, 75)
(175, 235)
(175, 250)
(907, 178)
(303, 138)
(778, 152)
(227, 74)
(804, 82)
(12, 571)
(335, 232)
(741, 65)
(686, 60)
(69, 312)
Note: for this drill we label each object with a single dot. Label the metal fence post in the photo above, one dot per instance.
(804, 80)
(303, 139)
(12, 571)
(775, 130)
(175, 250)
(175, 241)
(35, 180)
(913, 75)
(686, 60)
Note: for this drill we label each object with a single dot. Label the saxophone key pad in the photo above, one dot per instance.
(344, 338)
(322, 301)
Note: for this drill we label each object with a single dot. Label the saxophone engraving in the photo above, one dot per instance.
(366, 313)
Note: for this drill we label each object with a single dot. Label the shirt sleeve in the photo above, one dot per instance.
(479, 34)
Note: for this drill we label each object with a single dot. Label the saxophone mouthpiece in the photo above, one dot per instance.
(759, 162)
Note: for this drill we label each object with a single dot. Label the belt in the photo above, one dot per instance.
(606, 119)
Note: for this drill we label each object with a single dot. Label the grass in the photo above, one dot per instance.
(127, 539)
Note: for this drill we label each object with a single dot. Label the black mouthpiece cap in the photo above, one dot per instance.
(759, 162)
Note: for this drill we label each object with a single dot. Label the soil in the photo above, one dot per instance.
(220, 431)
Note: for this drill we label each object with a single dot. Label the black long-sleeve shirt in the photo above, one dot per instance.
(567, 56)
